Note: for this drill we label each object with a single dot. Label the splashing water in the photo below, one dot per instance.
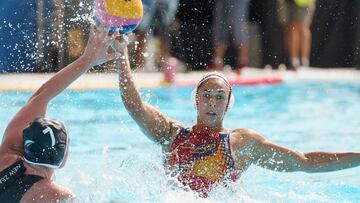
(111, 159)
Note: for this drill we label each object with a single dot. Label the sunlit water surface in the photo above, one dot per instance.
(111, 159)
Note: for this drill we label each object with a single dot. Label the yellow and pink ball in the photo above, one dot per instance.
(124, 15)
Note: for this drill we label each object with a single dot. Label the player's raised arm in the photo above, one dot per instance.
(95, 53)
(154, 124)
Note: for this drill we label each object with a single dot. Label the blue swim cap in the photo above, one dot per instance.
(45, 143)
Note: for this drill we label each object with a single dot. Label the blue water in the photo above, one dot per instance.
(110, 159)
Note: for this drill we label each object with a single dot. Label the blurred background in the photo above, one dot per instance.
(45, 36)
(310, 111)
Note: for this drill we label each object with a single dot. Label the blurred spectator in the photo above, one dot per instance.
(296, 16)
(56, 39)
(230, 21)
(76, 28)
(195, 18)
(158, 15)
(335, 34)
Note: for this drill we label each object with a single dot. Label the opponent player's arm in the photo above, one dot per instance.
(275, 157)
(95, 53)
(155, 125)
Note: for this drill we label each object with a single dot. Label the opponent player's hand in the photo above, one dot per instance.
(96, 51)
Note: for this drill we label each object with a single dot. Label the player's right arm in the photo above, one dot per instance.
(151, 121)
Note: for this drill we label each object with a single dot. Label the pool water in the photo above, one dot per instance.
(111, 159)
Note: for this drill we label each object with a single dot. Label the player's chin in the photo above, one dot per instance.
(212, 122)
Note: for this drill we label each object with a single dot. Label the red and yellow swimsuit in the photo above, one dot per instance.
(201, 161)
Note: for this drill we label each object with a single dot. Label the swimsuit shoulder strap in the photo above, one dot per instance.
(225, 137)
(17, 183)
(181, 135)
(184, 132)
(12, 172)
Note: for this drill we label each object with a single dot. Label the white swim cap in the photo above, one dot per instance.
(212, 75)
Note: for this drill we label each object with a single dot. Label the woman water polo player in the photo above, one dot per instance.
(207, 154)
(29, 153)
